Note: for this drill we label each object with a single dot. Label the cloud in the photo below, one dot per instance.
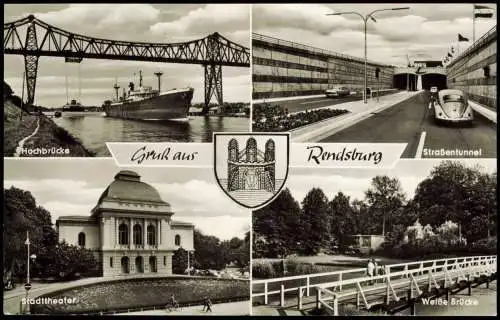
(200, 197)
(222, 18)
(426, 31)
(223, 227)
(311, 17)
(88, 18)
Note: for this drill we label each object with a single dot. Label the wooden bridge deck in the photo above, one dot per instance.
(390, 293)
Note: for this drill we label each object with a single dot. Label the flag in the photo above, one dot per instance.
(482, 14)
(461, 38)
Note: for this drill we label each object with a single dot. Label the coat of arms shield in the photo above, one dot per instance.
(251, 168)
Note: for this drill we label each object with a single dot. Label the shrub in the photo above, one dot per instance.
(263, 270)
(276, 118)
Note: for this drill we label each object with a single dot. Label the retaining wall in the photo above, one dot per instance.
(283, 69)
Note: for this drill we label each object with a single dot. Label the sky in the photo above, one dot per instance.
(424, 32)
(158, 23)
(73, 186)
(354, 182)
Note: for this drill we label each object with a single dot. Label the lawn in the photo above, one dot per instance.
(128, 294)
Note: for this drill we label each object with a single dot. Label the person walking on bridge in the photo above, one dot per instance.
(370, 270)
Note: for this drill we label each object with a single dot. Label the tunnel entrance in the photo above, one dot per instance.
(405, 81)
(433, 80)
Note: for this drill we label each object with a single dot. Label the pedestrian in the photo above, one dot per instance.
(209, 305)
(375, 268)
(370, 269)
(205, 303)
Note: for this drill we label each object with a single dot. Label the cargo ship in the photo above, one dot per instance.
(73, 106)
(148, 104)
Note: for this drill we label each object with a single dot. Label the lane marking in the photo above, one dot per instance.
(319, 101)
(421, 143)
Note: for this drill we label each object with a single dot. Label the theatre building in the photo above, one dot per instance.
(130, 229)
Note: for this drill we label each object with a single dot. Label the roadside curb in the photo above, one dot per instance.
(485, 112)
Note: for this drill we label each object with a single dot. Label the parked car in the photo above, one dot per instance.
(337, 92)
(452, 106)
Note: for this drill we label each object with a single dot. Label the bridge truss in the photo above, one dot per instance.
(33, 38)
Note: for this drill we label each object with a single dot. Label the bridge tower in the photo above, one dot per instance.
(213, 72)
(158, 75)
(31, 61)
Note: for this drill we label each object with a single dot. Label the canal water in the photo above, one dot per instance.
(94, 130)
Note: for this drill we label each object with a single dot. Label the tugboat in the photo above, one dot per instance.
(148, 104)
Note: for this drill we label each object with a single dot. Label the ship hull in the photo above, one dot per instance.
(167, 106)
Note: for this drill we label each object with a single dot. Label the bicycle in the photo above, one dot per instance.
(170, 306)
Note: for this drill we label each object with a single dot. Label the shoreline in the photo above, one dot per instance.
(36, 135)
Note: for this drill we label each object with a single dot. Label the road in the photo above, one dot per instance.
(412, 122)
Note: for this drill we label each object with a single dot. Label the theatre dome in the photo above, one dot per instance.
(129, 187)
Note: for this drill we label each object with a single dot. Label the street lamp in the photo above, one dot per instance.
(365, 20)
(27, 286)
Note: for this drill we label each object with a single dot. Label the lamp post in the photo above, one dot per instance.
(27, 286)
(365, 20)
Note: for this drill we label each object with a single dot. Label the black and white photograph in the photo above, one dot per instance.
(251, 168)
(79, 75)
(83, 236)
(421, 74)
(417, 239)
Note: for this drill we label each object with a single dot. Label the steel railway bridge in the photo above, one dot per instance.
(33, 38)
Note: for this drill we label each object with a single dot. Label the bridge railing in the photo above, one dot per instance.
(340, 279)
(402, 282)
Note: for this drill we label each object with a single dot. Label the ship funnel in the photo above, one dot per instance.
(131, 86)
(158, 75)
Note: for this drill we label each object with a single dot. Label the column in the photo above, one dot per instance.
(130, 231)
(116, 232)
(145, 233)
(419, 82)
(158, 232)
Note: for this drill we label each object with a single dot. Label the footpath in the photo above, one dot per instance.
(241, 308)
(358, 111)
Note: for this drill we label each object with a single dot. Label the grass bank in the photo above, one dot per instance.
(49, 135)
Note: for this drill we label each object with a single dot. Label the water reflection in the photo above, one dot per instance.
(94, 130)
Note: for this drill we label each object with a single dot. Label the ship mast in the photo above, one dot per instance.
(116, 87)
(140, 78)
(159, 74)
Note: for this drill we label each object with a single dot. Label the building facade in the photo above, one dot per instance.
(282, 68)
(130, 229)
(250, 168)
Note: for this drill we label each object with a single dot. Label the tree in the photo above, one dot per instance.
(314, 217)
(342, 219)
(66, 262)
(22, 214)
(461, 194)
(278, 225)
(179, 261)
(210, 253)
(385, 198)
(241, 254)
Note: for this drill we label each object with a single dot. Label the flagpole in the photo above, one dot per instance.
(473, 24)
